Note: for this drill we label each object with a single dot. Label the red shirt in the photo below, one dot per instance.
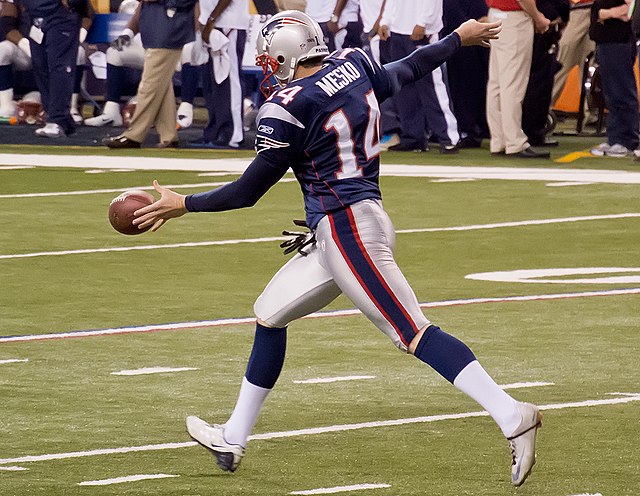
(506, 5)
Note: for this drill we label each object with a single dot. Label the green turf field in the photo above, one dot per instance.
(58, 397)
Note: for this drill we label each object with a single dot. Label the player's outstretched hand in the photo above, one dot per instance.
(170, 205)
(472, 32)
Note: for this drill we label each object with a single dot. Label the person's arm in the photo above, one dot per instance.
(425, 59)
(540, 22)
(208, 22)
(620, 12)
(244, 192)
(335, 17)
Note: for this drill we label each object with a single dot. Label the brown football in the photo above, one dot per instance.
(122, 207)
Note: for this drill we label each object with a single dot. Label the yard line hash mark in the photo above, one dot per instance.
(318, 315)
(520, 385)
(13, 469)
(120, 480)
(324, 380)
(153, 370)
(627, 398)
(341, 489)
(14, 360)
(473, 227)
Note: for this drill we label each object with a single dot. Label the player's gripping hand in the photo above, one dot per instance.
(472, 32)
(122, 41)
(169, 206)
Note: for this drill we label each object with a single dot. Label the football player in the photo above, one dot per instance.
(127, 52)
(323, 122)
(15, 53)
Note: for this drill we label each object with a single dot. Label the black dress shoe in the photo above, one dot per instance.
(546, 142)
(529, 153)
(449, 149)
(120, 142)
(402, 147)
(501, 152)
(469, 142)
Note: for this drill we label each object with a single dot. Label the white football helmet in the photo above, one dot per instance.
(288, 38)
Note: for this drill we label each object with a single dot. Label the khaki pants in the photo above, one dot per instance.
(509, 67)
(573, 48)
(156, 101)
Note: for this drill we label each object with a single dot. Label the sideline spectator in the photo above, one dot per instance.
(544, 65)
(321, 11)
(616, 53)
(509, 66)
(468, 71)
(574, 46)
(423, 106)
(165, 28)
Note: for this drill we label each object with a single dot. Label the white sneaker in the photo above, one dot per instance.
(600, 150)
(523, 443)
(103, 120)
(51, 130)
(388, 141)
(211, 437)
(184, 116)
(617, 151)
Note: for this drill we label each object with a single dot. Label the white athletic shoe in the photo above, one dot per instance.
(51, 130)
(184, 116)
(104, 120)
(617, 151)
(600, 150)
(211, 437)
(523, 443)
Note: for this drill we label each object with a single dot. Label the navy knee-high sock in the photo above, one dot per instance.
(6, 77)
(115, 78)
(78, 81)
(267, 356)
(446, 354)
(190, 76)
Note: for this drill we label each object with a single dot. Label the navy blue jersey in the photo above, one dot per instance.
(326, 128)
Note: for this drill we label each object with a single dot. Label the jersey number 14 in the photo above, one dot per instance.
(340, 124)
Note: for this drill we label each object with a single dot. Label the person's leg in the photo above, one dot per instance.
(358, 252)
(189, 76)
(7, 50)
(237, 40)
(61, 60)
(494, 110)
(159, 66)
(299, 288)
(618, 82)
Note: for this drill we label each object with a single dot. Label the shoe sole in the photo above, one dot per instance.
(536, 426)
(224, 460)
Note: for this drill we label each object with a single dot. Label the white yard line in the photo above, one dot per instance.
(14, 360)
(627, 398)
(16, 167)
(238, 165)
(13, 469)
(325, 380)
(153, 370)
(341, 489)
(318, 315)
(567, 183)
(472, 227)
(521, 385)
(120, 190)
(129, 478)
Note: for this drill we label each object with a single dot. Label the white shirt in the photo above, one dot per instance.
(402, 16)
(320, 10)
(350, 12)
(235, 16)
(369, 12)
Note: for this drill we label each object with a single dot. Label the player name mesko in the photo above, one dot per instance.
(339, 78)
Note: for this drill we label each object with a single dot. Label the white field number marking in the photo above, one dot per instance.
(120, 480)
(152, 370)
(323, 380)
(620, 398)
(540, 276)
(342, 489)
(14, 360)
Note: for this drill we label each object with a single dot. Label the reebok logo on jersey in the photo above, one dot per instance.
(265, 143)
(265, 129)
(340, 77)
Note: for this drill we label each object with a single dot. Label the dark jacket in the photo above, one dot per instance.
(167, 23)
(612, 30)
(552, 9)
